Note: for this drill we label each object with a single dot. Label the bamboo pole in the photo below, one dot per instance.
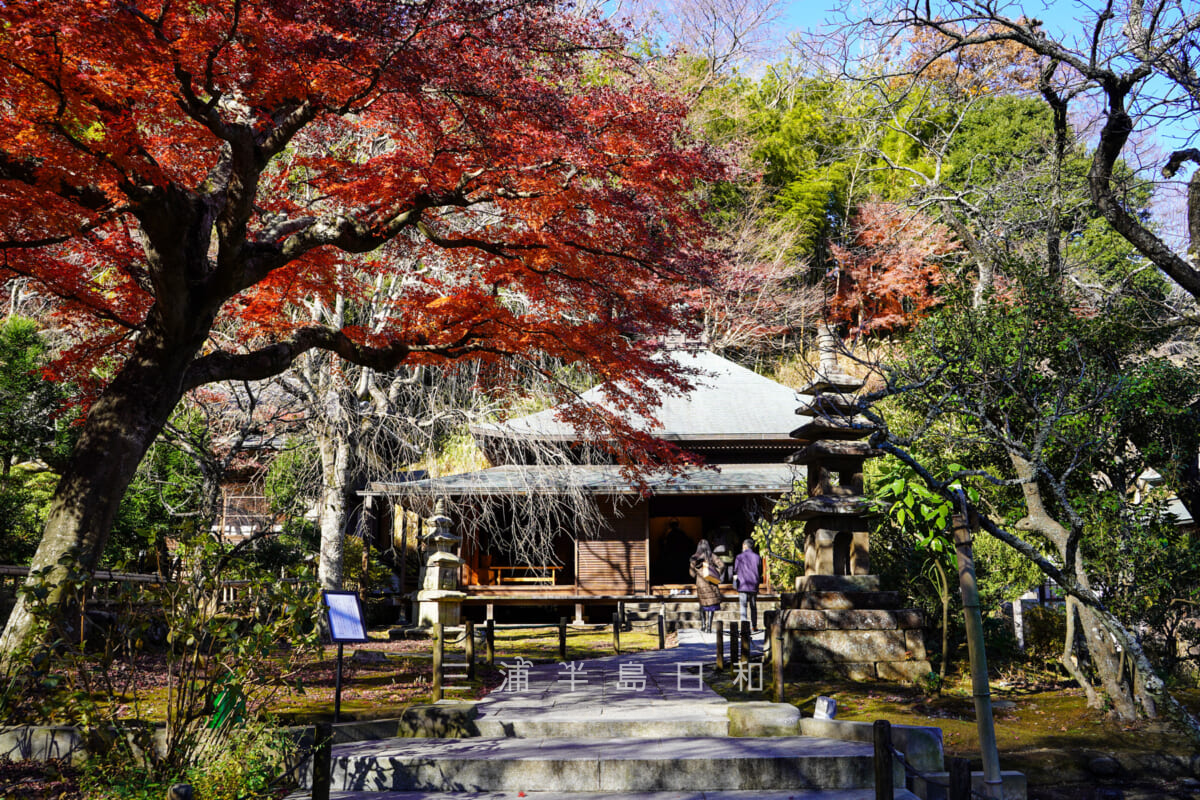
(992, 782)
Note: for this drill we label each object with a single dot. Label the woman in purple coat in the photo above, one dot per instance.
(747, 574)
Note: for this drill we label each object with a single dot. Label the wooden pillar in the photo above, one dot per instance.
(490, 641)
(745, 631)
(469, 647)
(562, 638)
(616, 625)
(322, 760)
(404, 563)
(775, 631)
(960, 779)
(883, 760)
(439, 642)
(720, 644)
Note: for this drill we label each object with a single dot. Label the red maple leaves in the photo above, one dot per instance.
(186, 168)
(887, 274)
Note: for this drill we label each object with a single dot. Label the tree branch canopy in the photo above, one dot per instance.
(184, 180)
(1137, 56)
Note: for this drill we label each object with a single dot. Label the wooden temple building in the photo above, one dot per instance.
(735, 419)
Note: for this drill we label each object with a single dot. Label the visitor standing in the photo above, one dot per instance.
(706, 570)
(747, 574)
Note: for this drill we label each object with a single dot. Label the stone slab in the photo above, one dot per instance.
(609, 764)
(644, 725)
(847, 646)
(763, 719)
(823, 601)
(42, 743)
(838, 583)
(909, 671)
(789, 794)
(922, 745)
(834, 449)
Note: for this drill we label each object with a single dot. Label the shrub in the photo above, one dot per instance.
(246, 766)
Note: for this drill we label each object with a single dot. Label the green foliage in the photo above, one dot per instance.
(783, 541)
(24, 495)
(797, 134)
(29, 427)
(246, 766)
(293, 480)
(225, 656)
(1150, 571)
(167, 500)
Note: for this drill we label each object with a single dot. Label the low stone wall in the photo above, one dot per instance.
(50, 742)
(921, 744)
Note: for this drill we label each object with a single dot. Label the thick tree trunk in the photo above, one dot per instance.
(119, 429)
(1101, 646)
(336, 469)
(1069, 661)
(1106, 656)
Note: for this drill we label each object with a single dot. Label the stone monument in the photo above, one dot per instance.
(838, 620)
(439, 599)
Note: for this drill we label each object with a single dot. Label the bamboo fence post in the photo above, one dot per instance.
(992, 782)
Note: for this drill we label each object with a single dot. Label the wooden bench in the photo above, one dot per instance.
(524, 574)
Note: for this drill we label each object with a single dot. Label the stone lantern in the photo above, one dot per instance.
(439, 599)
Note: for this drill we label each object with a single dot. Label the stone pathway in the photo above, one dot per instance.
(641, 726)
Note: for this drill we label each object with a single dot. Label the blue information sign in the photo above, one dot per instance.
(346, 622)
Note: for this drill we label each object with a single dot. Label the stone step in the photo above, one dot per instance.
(682, 722)
(785, 794)
(614, 764)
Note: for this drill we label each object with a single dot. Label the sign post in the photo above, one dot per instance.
(346, 625)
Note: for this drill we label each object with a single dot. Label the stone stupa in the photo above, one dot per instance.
(839, 620)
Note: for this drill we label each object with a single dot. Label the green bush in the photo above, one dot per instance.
(246, 766)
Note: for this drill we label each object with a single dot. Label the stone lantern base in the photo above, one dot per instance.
(439, 606)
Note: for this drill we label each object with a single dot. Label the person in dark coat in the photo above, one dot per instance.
(708, 593)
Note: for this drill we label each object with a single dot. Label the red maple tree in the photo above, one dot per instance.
(887, 273)
(179, 175)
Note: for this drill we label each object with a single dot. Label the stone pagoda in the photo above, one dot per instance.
(839, 620)
(440, 598)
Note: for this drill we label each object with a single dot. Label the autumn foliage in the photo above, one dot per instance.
(253, 149)
(184, 179)
(887, 273)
